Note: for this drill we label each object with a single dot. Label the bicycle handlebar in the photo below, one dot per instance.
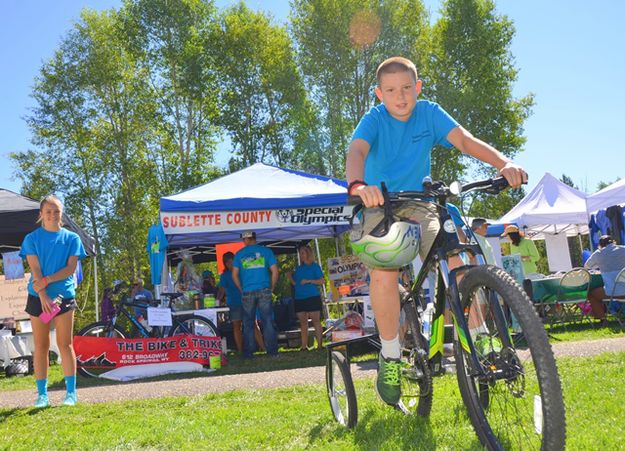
(437, 189)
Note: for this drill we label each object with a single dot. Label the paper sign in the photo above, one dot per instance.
(159, 316)
(367, 310)
(13, 295)
(13, 265)
(513, 265)
(208, 313)
(348, 276)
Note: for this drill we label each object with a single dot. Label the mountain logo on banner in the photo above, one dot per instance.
(314, 215)
(95, 362)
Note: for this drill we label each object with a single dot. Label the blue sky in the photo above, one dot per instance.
(569, 52)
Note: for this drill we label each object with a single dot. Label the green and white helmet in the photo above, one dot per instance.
(389, 244)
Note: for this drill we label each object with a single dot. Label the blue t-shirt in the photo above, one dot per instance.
(312, 271)
(254, 262)
(233, 295)
(157, 250)
(53, 250)
(400, 152)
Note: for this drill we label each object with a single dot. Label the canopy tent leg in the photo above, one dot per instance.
(325, 295)
(95, 286)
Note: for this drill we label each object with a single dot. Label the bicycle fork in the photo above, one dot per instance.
(452, 297)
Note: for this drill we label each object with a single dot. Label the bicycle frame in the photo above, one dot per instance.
(120, 309)
(445, 245)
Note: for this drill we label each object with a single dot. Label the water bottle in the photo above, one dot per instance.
(144, 323)
(427, 320)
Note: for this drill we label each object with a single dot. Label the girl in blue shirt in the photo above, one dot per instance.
(306, 279)
(52, 253)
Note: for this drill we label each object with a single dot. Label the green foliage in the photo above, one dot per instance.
(602, 184)
(264, 108)
(340, 45)
(133, 102)
(472, 74)
(568, 181)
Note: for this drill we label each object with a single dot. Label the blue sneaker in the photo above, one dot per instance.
(42, 401)
(70, 399)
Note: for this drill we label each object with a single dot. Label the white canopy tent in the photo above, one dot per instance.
(551, 212)
(613, 194)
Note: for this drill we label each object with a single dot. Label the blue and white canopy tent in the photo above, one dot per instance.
(552, 211)
(282, 206)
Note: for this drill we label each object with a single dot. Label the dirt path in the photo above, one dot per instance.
(284, 378)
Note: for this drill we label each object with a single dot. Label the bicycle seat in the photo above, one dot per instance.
(172, 296)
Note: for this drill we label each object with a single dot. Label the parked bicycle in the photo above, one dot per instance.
(182, 324)
(507, 375)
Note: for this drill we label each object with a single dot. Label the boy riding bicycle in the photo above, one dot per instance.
(393, 144)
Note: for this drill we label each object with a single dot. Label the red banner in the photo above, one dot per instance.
(100, 352)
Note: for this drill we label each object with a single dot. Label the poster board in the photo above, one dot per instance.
(348, 276)
(513, 265)
(13, 295)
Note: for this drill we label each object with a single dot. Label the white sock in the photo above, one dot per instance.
(390, 348)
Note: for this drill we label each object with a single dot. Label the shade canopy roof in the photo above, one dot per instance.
(552, 207)
(18, 217)
(278, 204)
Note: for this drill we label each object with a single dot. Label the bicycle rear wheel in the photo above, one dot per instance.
(518, 403)
(194, 325)
(341, 393)
(101, 329)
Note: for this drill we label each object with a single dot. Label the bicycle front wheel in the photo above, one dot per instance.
(514, 397)
(102, 329)
(194, 325)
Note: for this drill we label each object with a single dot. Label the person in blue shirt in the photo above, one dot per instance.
(306, 279)
(52, 253)
(232, 294)
(393, 143)
(255, 274)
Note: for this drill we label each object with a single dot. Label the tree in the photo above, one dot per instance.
(472, 74)
(264, 107)
(175, 45)
(340, 44)
(568, 181)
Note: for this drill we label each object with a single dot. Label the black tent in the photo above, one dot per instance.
(18, 217)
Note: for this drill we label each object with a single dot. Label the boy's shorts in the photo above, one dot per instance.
(422, 212)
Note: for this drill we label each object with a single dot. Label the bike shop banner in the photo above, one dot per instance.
(215, 221)
(103, 353)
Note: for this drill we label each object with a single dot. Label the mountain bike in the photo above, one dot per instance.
(506, 370)
(181, 325)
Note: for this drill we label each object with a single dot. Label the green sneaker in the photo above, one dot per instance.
(485, 345)
(387, 383)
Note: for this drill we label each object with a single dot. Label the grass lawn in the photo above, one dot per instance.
(299, 417)
(583, 332)
(290, 358)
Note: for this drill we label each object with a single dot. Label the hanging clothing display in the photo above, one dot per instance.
(615, 216)
(157, 250)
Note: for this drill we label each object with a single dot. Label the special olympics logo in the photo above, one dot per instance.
(284, 215)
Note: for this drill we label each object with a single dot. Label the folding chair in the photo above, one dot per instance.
(616, 305)
(573, 291)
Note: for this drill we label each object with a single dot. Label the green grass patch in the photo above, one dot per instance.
(289, 359)
(300, 417)
(583, 332)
